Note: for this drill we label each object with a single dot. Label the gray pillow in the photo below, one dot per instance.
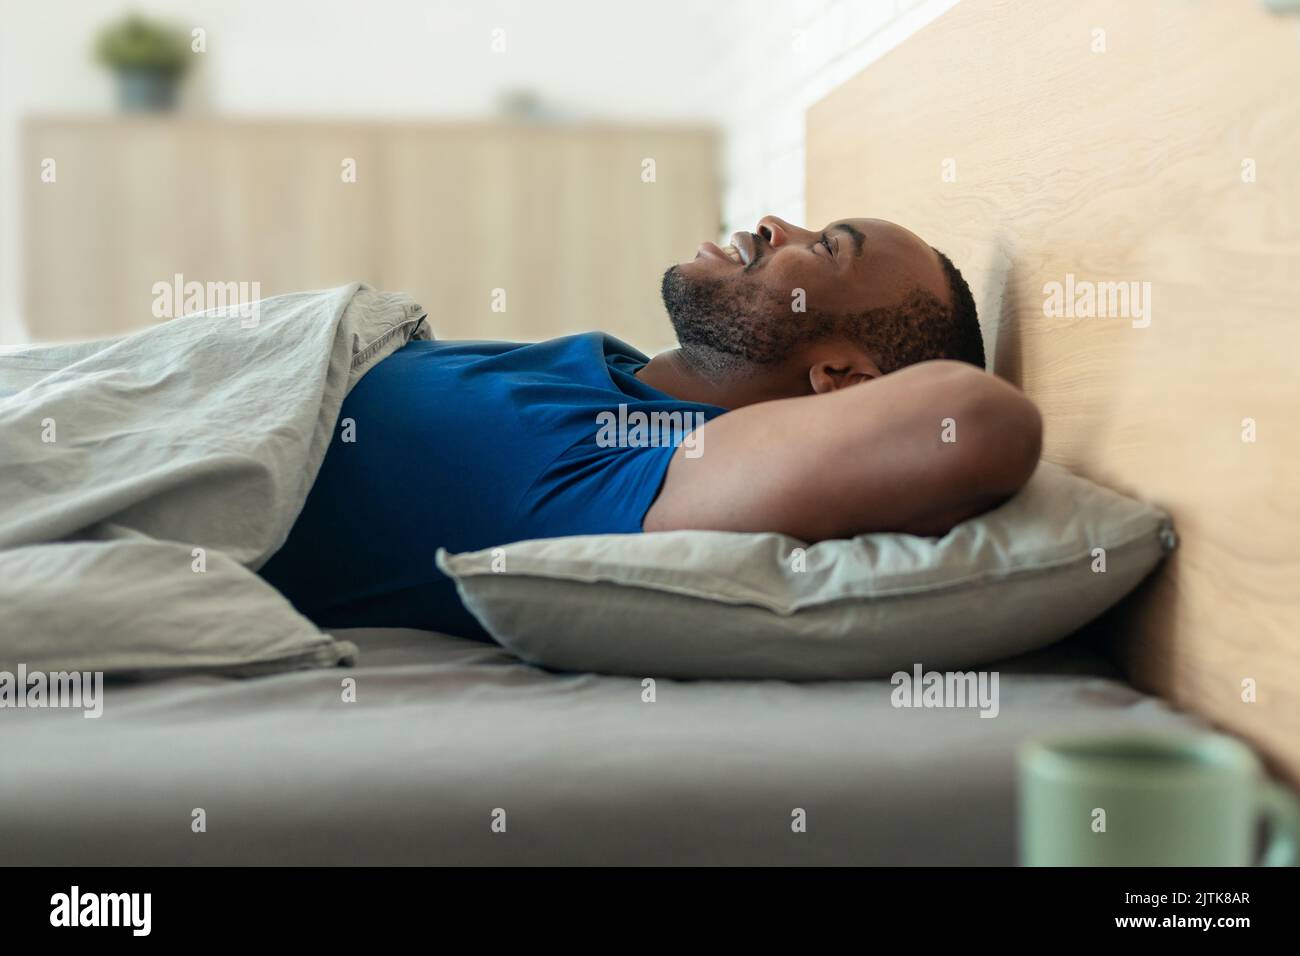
(723, 604)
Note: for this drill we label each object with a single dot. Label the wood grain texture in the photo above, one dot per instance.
(1125, 165)
(558, 217)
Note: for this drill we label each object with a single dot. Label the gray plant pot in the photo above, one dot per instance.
(146, 91)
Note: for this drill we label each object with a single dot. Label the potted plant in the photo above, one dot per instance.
(149, 59)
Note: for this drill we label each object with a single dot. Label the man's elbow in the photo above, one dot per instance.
(991, 436)
(1005, 440)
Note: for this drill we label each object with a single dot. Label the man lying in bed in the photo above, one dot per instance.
(468, 445)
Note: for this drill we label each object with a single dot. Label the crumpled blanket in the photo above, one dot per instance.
(144, 479)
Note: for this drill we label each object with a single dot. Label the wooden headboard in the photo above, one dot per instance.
(1114, 141)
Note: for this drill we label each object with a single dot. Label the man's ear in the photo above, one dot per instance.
(836, 372)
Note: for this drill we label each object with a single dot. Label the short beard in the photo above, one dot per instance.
(727, 329)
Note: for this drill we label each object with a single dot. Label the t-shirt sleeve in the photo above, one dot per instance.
(596, 490)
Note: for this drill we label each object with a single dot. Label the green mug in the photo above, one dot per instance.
(1186, 800)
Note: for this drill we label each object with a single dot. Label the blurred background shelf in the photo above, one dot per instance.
(557, 216)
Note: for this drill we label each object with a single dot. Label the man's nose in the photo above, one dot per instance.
(776, 230)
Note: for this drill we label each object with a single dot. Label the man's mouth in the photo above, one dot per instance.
(746, 246)
(742, 251)
(714, 251)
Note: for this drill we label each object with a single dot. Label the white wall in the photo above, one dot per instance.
(779, 64)
(733, 62)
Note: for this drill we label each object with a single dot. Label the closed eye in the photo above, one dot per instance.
(825, 240)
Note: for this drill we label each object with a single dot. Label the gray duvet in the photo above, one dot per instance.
(144, 479)
(447, 736)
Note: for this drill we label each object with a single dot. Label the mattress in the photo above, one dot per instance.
(455, 752)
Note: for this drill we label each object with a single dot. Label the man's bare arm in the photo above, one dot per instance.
(866, 458)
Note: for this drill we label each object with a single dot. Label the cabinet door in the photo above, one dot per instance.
(559, 220)
(296, 206)
(556, 223)
(138, 202)
(127, 208)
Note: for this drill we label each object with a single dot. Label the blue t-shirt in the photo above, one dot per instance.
(464, 446)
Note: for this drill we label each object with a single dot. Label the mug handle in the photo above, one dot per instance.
(1281, 814)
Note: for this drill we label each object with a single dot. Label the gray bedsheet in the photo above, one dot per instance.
(444, 732)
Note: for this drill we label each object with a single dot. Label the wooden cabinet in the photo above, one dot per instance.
(559, 218)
